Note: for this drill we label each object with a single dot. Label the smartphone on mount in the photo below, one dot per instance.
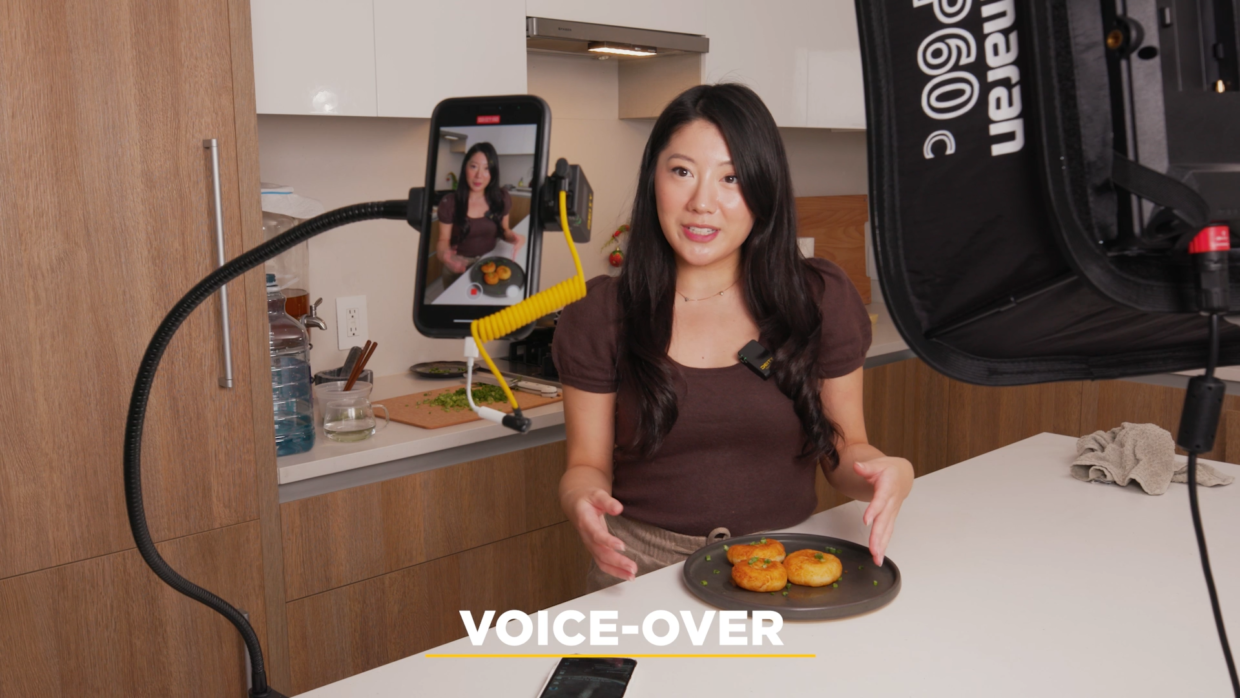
(481, 242)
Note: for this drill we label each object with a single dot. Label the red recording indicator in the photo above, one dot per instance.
(489, 119)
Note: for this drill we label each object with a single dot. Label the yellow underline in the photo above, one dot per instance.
(626, 656)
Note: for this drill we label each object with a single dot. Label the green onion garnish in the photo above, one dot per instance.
(708, 558)
(703, 582)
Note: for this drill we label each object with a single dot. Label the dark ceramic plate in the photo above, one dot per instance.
(856, 592)
(439, 369)
(500, 289)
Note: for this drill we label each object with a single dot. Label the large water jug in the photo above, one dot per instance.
(290, 376)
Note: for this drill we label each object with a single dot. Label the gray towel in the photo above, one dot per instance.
(1141, 452)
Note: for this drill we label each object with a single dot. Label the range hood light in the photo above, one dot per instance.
(621, 49)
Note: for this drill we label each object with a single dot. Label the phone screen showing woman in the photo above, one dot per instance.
(482, 199)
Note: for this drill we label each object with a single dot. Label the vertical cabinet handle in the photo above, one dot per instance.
(226, 380)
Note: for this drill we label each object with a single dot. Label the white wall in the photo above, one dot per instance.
(347, 160)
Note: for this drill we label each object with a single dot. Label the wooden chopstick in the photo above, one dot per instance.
(361, 364)
(357, 367)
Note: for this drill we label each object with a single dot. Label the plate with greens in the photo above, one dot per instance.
(862, 587)
(439, 369)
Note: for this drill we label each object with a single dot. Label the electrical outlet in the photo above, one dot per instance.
(351, 327)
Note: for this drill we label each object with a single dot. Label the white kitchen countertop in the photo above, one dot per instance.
(401, 441)
(1017, 581)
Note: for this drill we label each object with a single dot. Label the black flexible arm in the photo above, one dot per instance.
(146, 378)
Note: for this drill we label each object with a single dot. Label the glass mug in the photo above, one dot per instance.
(351, 419)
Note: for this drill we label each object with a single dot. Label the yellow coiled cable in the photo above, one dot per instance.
(539, 305)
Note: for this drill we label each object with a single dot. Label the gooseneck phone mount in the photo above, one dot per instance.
(134, 423)
(567, 193)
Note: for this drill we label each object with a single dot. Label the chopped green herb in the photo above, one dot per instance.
(763, 541)
(772, 593)
(708, 558)
(875, 582)
(455, 401)
(819, 557)
(716, 571)
(835, 586)
(785, 593)
(725, 547)
(766, 561)
(789, 585)
(753, 560)
(703, 582)
(860, 567)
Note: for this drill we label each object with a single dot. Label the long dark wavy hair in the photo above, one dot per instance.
(494, 195)
(781, 290)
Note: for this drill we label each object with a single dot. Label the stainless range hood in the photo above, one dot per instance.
(577, 37)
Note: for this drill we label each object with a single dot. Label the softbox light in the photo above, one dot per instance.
(1037, 169)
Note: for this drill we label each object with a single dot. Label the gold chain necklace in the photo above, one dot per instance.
(694, 300)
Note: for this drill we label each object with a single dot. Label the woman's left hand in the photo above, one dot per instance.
(892, 480)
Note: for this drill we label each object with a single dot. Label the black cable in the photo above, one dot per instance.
(146, 378)
(1211, 363)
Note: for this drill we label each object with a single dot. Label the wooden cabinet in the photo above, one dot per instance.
(803, 57)
(395, 58)
(379, 572)
(682, 16)
(106, 627)
(355, 628)
(106, 219)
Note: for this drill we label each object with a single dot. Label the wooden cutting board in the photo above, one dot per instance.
(407, 410)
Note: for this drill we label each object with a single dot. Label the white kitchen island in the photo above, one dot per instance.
(1017, 581)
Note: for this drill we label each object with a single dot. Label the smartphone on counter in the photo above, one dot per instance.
(481, 248)
(589, 677)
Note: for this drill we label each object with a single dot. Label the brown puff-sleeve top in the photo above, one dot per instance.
(480, 234)
(730, 459)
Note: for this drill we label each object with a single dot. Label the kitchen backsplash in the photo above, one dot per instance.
(347, 160)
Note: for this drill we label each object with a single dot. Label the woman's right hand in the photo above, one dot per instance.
(454, 263)
(585, 510)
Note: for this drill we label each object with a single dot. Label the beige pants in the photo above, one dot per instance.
(651, 547)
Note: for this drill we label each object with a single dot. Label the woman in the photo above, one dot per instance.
(473, 218)
(671, 441)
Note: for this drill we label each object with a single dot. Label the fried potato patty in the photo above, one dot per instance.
(765, 548)
(812, 568)
(488, 267)
(759, 574)
(504, 272)
(490, 279)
